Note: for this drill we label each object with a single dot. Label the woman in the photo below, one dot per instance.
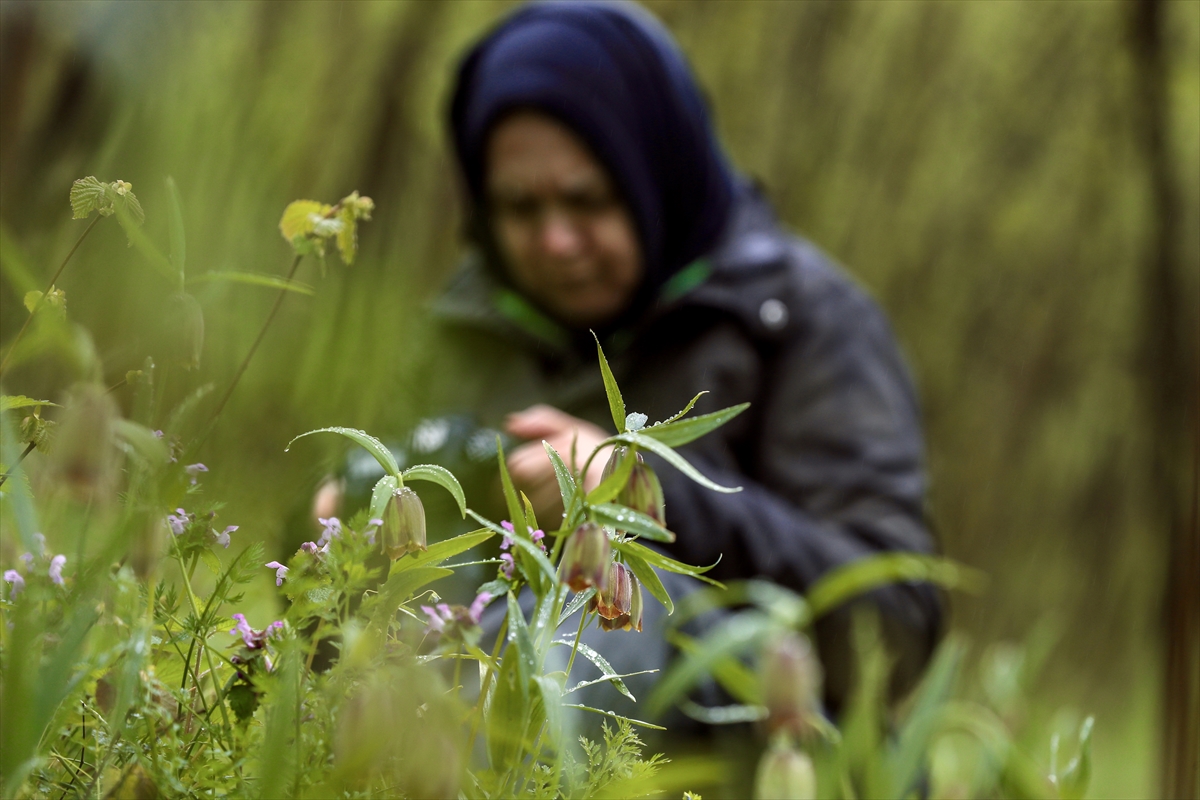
(599, 199)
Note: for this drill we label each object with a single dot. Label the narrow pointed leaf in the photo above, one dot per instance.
(630, 521)
(253, 279)
(442, 477)
(602, 664)
(368, 442)
(865, 574)
(566, 481)
(630, 720)
(674, 459)
(577, 602)
(649, 578)
(683, 431)
(682, 413)
(611, 486)
(385, 487)
(666, 562)
(175, 229)
(440, 551)
(616, 404)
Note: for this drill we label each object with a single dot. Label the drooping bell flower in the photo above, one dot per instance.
(403, 524)
(586, 558)
(613, 601)
(630, 619)
(791, 680)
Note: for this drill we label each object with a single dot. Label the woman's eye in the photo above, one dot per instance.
(520, 208)
(588, 203)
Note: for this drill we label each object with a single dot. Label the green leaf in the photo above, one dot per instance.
(566, 481)
(142, 441)
(385, 487)
(723, 715)
(649, 578)
(611, 486)
(1074, 780)
(552, 694)
(508, 712)
(538, 557)
(785, 605)
(616, 404)
(88, 195)
(577, 602)
(518, 636)
(672, 458)
(253, 279)
(442, 477)
(736, 678)
(515, 514)
(211, 561)
(602, 664)
(175, 228)
(440, 551)
(666, 562)
(675, 434)
(369, 442)
(630, 720)
(865, 574)
(10, 401)
(608, 678)
(681, 414)
(630, 521)
(729, 638)
(908, 757)
(399, 589)
(300, 217)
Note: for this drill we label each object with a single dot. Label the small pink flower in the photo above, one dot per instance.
(280, 572)
(333, 529)
(56, 567)
(507, 565)
(310, 548)
(223, 536)
(18, 583)
(194, 470)
(438, 617)
(475, 612)
(178, 521)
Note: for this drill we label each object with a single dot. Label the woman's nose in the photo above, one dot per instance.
(560, 236)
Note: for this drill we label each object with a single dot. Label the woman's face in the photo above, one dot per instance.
(566, 236)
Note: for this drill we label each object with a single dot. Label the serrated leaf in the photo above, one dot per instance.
(366, 440)
(88, 195)
(616, 404)
(630, 521)
(442, 477)
(674, 459)
(10, 401)
(649, 578)
(865, 574)
(32, 299)
(253, 279)
(680, 432)
(211, 561)
(298, 218)
(347, 236)
(385, 487)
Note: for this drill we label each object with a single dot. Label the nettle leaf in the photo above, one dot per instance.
(351, 209)
(616, 404)
(299, 218)
(9, 402)
(88, 195)
(369, 443)
(442, 477)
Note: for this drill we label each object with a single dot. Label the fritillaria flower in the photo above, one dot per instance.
(791, 680)
(403, 524)
(586, 557)
(280, 572)
(642, 492)
(620, 607)
(785, 772)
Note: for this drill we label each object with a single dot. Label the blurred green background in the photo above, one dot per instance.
(1017, 183)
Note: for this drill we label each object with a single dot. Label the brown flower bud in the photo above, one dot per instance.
(644, 493)
(627, 620)
(403, 524)
(613, 601)
(791, 681)
(785, 774)
(586, 557)
(618, 455)
(85, 453)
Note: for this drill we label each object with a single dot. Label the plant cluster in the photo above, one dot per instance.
(128, 673)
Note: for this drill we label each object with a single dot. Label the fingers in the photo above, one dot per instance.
(539, 422)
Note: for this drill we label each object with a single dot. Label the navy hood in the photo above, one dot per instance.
(611, 73)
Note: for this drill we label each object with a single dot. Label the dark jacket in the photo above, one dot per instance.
(829, 454)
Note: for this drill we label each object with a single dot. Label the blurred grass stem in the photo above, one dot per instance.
(28, 449)
(254, 347)
(50, 286)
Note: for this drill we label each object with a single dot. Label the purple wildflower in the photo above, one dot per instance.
(310, 548)
(18, 583)
(508, 526)
(333, 529)
(507, 564)
(56, 566)
(244, 629)
(158, 434)
(194, 470)
(28, 559)
(438, 617)
(255, 640)
(178, 521)
(372, 527)
(537, 537)
(223, 536)
(475, 612)
(280, 572)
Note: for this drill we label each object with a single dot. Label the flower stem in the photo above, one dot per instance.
(20, 458)
(42, 299)
(212, 671)
(254, 347)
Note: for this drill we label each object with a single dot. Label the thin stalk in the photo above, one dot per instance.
(20, 458)
(578, 635)
(254, 347)
(212, 671)
(485, 682)
(49, 286)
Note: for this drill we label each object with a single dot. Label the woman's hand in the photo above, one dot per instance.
(530, 467)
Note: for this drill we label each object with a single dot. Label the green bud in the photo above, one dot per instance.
(791, 679)
(84, 451)
(644, 493)
(403, 524)
(586, 558)
(785, 774)
(187, 326)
